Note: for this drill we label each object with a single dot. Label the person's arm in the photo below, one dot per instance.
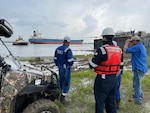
(121, 66)
(122, 62)
(70, 57)
(127, 42)
(99, 55)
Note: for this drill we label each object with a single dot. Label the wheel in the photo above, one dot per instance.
(42, 106)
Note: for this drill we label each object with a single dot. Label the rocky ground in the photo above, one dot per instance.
(79, 64)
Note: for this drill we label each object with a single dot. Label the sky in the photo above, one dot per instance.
(79, 19)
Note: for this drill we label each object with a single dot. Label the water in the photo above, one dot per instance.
(41, 50)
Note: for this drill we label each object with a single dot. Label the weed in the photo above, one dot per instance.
(82, 96)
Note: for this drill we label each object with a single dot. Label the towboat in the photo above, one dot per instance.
(20, 41)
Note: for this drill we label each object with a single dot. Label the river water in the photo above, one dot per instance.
(41, 50)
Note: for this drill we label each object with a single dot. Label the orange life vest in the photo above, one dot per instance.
(112, 64)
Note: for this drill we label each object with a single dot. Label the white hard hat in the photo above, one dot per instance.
(67, 38)
(108, 31)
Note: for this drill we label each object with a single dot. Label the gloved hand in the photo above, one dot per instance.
(6, 68)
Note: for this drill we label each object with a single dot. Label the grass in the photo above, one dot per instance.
(81, 97)
(148, 60)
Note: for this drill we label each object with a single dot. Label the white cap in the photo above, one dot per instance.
(135, 38)
(114, 42)
(67, 38)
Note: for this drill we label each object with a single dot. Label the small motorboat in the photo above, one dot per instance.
(20, 41)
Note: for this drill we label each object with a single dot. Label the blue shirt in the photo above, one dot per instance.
(63, 55)
(139, 57)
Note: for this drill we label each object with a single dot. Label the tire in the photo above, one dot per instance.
(42, 106)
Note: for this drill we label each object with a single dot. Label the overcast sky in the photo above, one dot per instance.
(75, 18)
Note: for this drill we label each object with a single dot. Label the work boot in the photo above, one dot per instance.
(62, 99)
(118, 104)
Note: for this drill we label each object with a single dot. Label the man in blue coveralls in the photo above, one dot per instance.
(63, 59)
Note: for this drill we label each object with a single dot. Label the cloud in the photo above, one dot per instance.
(91, 24)
(77, 19)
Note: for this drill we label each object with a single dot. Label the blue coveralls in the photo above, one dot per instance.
(104, 88)
(63, 59)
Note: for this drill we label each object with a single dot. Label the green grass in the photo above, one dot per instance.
(84, 56)
(31, 59)
(148, 61)
(82, 98)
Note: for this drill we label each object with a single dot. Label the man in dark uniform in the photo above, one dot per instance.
(106, 63)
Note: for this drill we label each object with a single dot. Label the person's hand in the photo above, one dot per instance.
(128, 41)
(119, 72)
(126, 44)
(88, 59)
(6, 68)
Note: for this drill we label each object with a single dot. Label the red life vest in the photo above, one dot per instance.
(112, 64)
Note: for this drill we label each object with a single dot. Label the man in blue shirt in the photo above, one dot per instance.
(139, 65)
(63, 59)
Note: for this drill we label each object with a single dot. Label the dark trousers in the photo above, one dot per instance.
(105, 93)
